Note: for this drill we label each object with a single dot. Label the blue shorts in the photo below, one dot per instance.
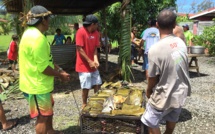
(89, 79)
(145, 62)
(152, 116)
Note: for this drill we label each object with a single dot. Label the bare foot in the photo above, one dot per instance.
(83, 106)
(9, 125)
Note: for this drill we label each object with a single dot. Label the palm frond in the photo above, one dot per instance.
(125, 46)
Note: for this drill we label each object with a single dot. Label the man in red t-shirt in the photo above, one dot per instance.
(87, 42)
(13, 52)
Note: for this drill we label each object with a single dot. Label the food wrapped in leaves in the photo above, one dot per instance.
(109, 91)
(133, 107)
(123, 92)
(94, 113)
(135, 98)
(108, 105)
(106, 84)
(96, 104)
(129, 110)
(101, 94)
(118, 84)
(119, 99)
(99, 98)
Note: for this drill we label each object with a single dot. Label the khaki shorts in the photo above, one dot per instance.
(152, 116)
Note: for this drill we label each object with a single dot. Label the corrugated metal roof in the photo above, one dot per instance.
(75, 7)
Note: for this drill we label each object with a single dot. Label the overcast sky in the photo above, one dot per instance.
(184, 6)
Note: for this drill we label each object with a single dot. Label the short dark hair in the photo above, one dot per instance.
(166, 19)
(68, 37)
(58, 29)
(134, 29)
(15, 37)
(153, 23)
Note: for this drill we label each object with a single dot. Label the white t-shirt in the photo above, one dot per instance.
(168, 59)
(151, 36)
(103, 40)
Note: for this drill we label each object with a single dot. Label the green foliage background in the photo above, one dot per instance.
(207, 39)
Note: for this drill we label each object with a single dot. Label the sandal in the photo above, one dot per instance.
(12, 125)
(134, 65)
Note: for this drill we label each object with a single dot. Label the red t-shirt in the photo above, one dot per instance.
(89, 42)
(13, 51)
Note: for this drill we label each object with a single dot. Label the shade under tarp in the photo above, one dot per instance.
(75, 7)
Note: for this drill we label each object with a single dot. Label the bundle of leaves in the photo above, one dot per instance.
(9, 87)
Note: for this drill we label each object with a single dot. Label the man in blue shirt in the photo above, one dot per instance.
(58, 38)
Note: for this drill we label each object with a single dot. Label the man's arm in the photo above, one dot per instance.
(96, 58)
(91, 63)
(53, 42)
(64, 38)
(132, 39)
(58, 72)
(152, 82)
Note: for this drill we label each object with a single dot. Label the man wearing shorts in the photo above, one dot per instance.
(87, 42)
(37, 70)
(151, 36)
(168, 82)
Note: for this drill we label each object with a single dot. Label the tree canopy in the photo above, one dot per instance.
(141, 12)
(205, 4)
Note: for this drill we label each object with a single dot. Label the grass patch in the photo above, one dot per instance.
(4, 42)
(114, 44)
(6, 39)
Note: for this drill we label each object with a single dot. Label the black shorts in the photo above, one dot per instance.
(13, 61)
(98, 50)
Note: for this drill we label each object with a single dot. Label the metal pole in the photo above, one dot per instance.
(106, 45)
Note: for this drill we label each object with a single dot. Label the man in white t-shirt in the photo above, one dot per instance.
(168, 82)
(151, 36)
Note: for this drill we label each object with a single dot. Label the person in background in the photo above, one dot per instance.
(37, 70)
(179, 32)
(188, 35)
(59, 38)
(133, 47)
(76, 27)
(87, 42)
(144, 44)
(168, 77)
(151, 36)
(13, 52)
(104, 43)
(68, 41)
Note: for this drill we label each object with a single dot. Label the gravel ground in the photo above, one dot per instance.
(197, 117)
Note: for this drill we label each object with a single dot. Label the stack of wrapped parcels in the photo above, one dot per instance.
(113, 99)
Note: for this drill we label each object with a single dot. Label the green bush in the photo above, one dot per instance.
(207, 39)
